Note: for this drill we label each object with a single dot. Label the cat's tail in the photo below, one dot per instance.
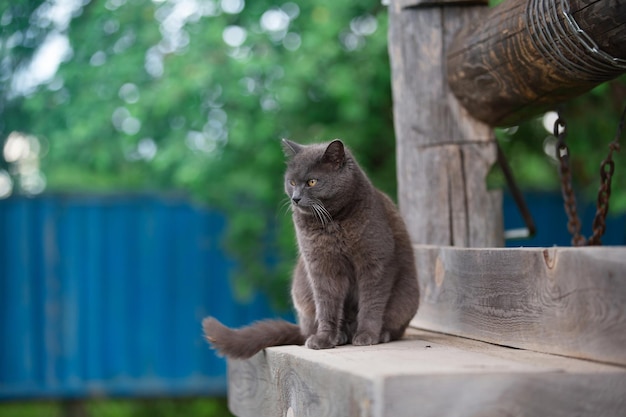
(245, 342)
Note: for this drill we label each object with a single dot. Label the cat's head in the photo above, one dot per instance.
(319, 178)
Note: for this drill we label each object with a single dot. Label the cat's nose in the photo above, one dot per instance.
(296, 200)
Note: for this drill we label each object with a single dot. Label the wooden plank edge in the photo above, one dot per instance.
(565, 301)
(424, 375)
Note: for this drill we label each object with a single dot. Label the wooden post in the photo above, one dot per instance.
(443, 154)
(525, 56)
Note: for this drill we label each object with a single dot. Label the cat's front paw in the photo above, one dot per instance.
(365, 339)
(342, 339)
(320, 341)
(385, 336)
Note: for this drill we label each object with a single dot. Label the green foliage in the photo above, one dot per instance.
(19, 37)
(197, 407)
(154, 97)
(195, 95)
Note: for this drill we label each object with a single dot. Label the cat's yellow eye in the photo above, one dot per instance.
(292, 182)
(311, 182)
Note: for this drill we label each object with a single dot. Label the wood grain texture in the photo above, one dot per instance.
(443, 196)
(424, 375)
(523, 57)
(443, 154)
(567, 301)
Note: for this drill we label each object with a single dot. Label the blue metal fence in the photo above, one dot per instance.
(104, 296)
(551, 221)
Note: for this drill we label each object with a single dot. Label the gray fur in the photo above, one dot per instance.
(355, 279)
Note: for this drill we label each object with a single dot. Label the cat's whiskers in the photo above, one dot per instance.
(326, 213)
(321, 213)
(317, 213)
(286, 206)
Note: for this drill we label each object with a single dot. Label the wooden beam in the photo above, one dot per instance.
(524, 56)
(567, 301)
(425, 375)
(443, 154)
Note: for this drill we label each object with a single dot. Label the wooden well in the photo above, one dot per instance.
(521, 332)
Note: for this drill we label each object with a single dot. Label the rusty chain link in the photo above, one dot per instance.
(569, 198)
(607, 168)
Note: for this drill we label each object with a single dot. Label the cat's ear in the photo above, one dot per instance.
(335, 154)
(290, 148)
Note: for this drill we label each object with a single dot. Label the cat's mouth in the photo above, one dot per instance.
(317, 209)
(302, 209)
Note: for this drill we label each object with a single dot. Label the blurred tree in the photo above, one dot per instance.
(22, 30)
(194, 95)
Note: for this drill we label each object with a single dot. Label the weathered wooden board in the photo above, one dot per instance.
(425, 375)
(567, 301)
(443, 154)
(444, 192)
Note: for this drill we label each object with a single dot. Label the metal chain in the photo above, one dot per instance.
(607, 169)
(569, 198)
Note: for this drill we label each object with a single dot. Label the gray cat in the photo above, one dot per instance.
(355, 280)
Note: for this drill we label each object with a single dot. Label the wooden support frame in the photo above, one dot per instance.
(523, 298)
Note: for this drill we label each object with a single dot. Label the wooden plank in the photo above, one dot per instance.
(443, 154)
(568, 301)
(424, 375)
